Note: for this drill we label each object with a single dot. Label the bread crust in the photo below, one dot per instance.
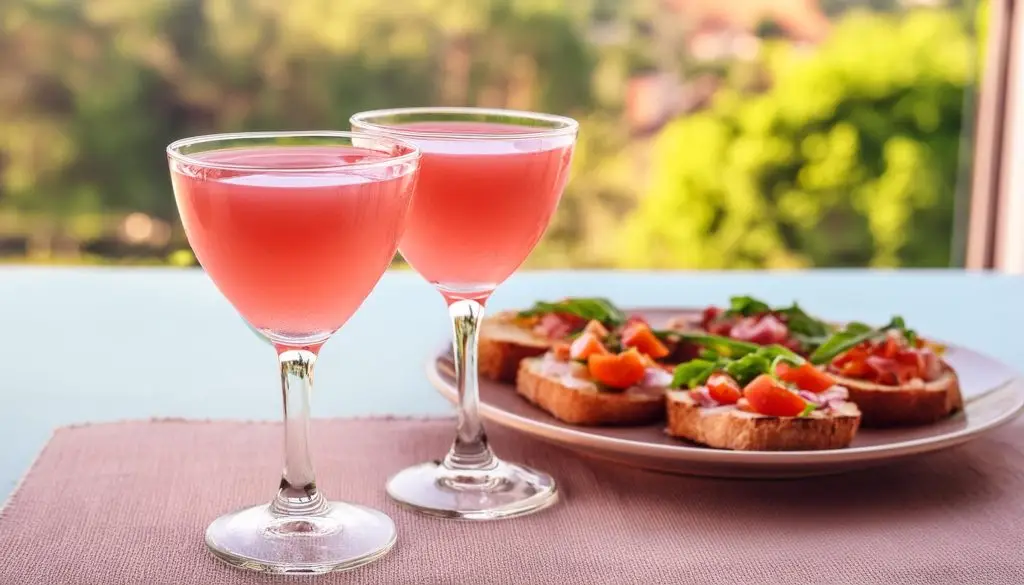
(503, 344)
(730, 428)
(917, 403)
(583, 406)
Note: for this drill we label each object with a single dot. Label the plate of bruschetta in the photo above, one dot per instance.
(742, 390)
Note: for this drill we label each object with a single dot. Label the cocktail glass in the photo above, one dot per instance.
(489, 183)
(295, 229)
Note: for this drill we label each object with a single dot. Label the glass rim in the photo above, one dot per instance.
(566, 125)
(174, 152)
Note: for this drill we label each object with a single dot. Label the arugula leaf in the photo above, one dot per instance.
(597, 308)
(693, 373)
(747, 306)
(853, 335)
(811, 407)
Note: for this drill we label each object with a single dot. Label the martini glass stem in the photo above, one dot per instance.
(469, 450)
(297, 494)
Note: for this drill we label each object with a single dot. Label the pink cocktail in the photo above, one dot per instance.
(295, 229)
(481, 206)
(489, 183)
(254, 233)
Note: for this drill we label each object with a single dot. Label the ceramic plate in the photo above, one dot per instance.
(993, 395)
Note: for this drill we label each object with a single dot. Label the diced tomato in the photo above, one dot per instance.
(620, 371)
(724, 389)
(806, 377)
(597, 328)
(640, 336)
(562, 351)
(859, 370)
(768, 397)
(890, 347)
(586, 345)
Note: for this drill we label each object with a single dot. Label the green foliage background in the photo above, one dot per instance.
(850, 158)
(844, 154)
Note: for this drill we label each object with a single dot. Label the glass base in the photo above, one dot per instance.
(345, 536)
(505, 490)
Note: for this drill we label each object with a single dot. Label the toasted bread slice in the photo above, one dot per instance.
(728, 427)
(916, 403)
(579, 402)
(503, 344)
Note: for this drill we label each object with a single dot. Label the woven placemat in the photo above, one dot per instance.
(127, 504)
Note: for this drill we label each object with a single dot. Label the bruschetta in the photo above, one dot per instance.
(600, 378)
(512, 336)
(758, 399)
(895, 377)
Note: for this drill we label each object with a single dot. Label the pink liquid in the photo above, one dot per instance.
(481, 205)
(296, 252)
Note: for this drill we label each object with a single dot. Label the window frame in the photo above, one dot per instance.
(995, 225)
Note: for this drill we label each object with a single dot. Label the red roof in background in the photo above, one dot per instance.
(801, 19)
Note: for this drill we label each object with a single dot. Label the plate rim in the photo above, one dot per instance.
(582, 438)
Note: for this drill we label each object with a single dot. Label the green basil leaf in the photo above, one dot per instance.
(748, 367)
(811, 407)
(747, 306)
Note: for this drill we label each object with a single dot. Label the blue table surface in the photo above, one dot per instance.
(90, 345)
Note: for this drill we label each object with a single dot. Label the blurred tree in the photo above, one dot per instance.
(850, 158)
(92, 91)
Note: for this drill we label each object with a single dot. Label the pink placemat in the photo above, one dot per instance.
(127, 504)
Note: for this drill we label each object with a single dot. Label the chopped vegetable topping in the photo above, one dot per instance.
(723, 389)
(597, 328)
(585, 346)
(773, 378)
(587, 309)
(805, 376)
(890, 355)
(890, 361)
(767, 396)
(752, 320)
(562, 351)
(640, 336)
(558, 325)
(618, 372)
